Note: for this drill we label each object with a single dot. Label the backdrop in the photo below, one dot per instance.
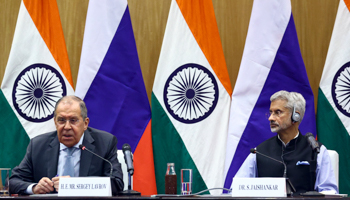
(314, 20)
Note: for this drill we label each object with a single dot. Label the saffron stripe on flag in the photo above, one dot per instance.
(191, 97)
(51, 31)
(333, 117)
(36, 76)
(208, 41)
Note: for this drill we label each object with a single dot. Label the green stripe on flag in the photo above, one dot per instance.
(14, 139)
(168, 147)
(332, 133)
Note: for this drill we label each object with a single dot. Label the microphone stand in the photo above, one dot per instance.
(129, 192)
(289, 186)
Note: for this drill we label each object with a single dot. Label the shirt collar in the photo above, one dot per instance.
(63, 147)
(289, 141)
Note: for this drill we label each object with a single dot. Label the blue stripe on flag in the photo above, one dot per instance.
(117, 101)
(287, 73)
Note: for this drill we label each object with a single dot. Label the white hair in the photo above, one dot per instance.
(293, 99)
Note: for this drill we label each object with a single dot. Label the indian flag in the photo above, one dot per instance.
(36, 76)
(191, 97)
(333, 108)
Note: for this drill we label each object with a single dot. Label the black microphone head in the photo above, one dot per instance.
(81, 146)
(309, 134)
(313, 143)
(126, 147)
(252, 150)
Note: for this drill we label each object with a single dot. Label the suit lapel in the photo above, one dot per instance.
(85, 158)
(52, 157)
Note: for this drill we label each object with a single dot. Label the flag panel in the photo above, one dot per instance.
(333, 116)
(36, 76)
(112, 86)
(286, 72)
(192, 95)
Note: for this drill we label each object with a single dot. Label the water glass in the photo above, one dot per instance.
(186, 181)
(4, 181)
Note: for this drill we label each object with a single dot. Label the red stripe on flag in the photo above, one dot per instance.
(144, 179)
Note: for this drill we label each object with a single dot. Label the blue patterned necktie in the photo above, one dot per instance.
(68, 167)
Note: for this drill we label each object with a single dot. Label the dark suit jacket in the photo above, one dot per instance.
(41, 160)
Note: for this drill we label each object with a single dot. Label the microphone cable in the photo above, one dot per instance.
(189, 195)
(198, 193)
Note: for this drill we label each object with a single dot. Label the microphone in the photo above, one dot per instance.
(253, 150)
(312, 141)
(82, 147)
(128, 158)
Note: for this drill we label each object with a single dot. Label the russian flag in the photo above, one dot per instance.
(271, 62)
(111, 83)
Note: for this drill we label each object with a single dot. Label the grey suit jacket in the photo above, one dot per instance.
(42, 154)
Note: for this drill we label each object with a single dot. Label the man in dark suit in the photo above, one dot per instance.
(45, 160)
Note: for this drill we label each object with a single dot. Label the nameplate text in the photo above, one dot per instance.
(85, 186)
(259, 187)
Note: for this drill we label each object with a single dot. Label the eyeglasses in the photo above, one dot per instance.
(63, 121)
(277, 113)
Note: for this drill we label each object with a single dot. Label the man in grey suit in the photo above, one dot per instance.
(45, 159)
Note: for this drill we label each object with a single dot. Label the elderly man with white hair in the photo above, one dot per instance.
(289, 146)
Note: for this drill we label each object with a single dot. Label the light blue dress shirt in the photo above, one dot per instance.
(76, 158)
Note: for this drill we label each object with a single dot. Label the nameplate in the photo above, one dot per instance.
(259, 187)
(85, 186)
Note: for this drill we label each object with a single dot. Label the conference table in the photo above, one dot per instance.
(165, 197)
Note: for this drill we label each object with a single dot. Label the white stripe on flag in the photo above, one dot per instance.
(259, 53)
(28, 48)
(99, 36)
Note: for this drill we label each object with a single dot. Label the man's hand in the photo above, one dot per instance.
(56, 181)
(44, 186)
